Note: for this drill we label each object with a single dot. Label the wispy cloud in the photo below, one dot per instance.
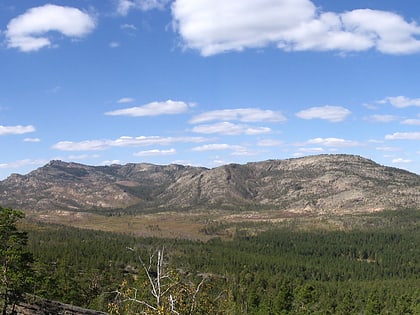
(98, 145)
(125, 6)
(401, 161)
(414, 122)
(22, 163)
(227, 128)
(216, 147)
(330, 113)
(125, 100)
(269, 142)
(168, 107)
(333, 142)
(401, 101)
(155, 152)
(237, 150)
(114, 44)
(31, 31)
(32, 140)
(403, 136)
(382, 118)
(388, 149)
(240, 114)
(291, 25)
(16, 130)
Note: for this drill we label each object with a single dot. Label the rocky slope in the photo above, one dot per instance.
(323, 183)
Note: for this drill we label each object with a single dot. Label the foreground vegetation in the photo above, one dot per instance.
(371, 268)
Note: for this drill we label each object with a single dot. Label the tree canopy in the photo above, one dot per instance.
(15, 260)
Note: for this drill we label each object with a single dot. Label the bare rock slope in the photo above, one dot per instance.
(323, 183)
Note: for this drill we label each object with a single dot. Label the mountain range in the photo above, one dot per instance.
(319, 184)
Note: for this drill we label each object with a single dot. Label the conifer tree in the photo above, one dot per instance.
(15, 260)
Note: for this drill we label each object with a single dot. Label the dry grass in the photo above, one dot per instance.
(189, 225)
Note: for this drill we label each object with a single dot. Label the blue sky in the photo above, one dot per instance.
(208, 82)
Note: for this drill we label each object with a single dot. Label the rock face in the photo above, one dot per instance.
(323, 183)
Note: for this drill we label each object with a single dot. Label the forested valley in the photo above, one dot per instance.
(371, 269)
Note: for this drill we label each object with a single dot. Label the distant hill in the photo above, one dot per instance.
(320, 184)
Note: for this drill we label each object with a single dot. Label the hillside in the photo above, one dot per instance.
(323, 183)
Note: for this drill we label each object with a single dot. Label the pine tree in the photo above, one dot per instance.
(15, 260)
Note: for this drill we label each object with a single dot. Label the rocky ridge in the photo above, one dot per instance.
(322, 183)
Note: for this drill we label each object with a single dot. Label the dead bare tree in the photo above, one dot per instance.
(170, 295)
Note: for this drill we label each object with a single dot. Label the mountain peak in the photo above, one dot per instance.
(318, 183)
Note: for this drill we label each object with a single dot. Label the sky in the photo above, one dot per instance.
(208, 82)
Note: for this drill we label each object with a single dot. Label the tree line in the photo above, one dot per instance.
(283, 270)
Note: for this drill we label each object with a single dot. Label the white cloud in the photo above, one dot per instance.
(111, 162)
(330, 113)
(22, 163)
(31, 31)
(403, 136)
(401, 101)
(227, 128)
(82, 157)
(87, 145)
(32, 140)
(125, 100)
(389, 32)
(240, 114)
(114, 44)
(128, 27)
(124, 6)
(311, 150)
(401, 161)
(155, 152)
(382, 118)
(15, 130)
(333, 142)
(216, 147)
(125, 141)
(289, 25)
(153, 109)
(269, 143)
(415, 122)
(238, 150)
(388, 149)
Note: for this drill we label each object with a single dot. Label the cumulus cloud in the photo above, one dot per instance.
(227, 128)
(240, 114)
(155, 152)
(124, 6)
(125, 141)
(401, 101)
(31, 31)
(152, 109)
(403, 136)
(291, 25)
(333, 142)
(330, 113)
(16, 130)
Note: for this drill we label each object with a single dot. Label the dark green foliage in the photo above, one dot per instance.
(372, 270)
(15, 260)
